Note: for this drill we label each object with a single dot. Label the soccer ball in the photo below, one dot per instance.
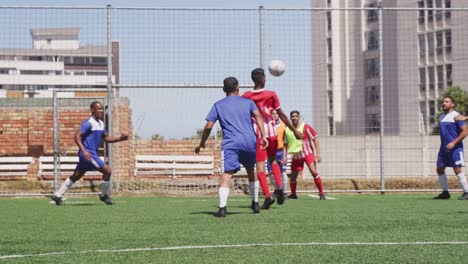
(276, 68)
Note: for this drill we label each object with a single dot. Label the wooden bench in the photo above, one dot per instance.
(14, 167)
(67, 167)
(173, 165)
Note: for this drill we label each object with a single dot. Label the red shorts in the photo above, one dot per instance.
(263, 154)
(298, 164)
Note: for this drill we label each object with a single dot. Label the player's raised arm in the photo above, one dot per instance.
(288, 123)
(205, 134)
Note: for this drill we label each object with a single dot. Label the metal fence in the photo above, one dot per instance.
(368, 79)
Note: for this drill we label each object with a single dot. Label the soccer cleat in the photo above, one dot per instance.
(221, 212)
(106, 199)
(292, 196)
(322, 196)
(267, 203)
(464, 196)
(56, 199)
(255, 207)
(279, 196)
(445, 195)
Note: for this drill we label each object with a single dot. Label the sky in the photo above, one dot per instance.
(184, 47)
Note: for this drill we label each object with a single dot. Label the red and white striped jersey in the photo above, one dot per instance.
(266, 102)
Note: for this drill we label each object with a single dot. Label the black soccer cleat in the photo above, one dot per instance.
(56, 199)
(279, 196)
(322, 196)
(221, 212)
(255, 207)
(445, 195)
(464, 196)
(106, 199)
(267, 203)
(292, 196)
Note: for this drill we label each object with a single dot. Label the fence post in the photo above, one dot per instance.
(56, 136)
(110, 129)
(261, 35)
(381, 82)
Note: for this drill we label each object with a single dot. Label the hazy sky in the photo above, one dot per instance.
(189, 47)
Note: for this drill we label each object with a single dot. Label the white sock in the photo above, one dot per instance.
(105, 187)
(272, 180)
(223, 193)
(462, 180)
(285, 181)
(253, 188)
(443, 181)
(64, 187)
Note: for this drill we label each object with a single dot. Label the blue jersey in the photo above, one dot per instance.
(235, 117)
(450, 129)
(92, 130)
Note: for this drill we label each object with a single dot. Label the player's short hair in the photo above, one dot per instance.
(295, 112)
(451, 99)
(257, 74)
(93, 104)
(230, 85)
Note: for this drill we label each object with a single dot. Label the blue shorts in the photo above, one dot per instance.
(453, 158)
(234, 157)
(279, 158)
(95, 163)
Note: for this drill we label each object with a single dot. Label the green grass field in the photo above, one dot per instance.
(350, 229)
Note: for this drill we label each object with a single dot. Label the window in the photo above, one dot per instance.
(372, 68)
(372, 14)
(422, 45)
(331, 126)
(448, 41)
(329, 47)
(372, 123)
(440, 77)
(96, 73)
(439, 42)
(329, 21)
(372, 40)
(330, 101)
(330, 73)
(438, 4)
(372, 95)
(448, 5)
(430, 12)
(448, 74)
(430, 73)
(422, 79)
(421, 12)
(432, 111)
(430, 43)
(99, 60)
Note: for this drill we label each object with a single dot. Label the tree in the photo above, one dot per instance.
(157, 137)
(461, 103)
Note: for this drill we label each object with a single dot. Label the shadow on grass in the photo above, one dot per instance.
(212, 213)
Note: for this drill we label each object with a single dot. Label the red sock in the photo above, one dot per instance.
(277, 175)
(293, 186)
(263, 183)
(318, 183)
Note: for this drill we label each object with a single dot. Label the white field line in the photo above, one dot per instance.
(318, 197)
(416, 243)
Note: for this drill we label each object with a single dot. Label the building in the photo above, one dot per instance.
(423, 53)
(56, 60)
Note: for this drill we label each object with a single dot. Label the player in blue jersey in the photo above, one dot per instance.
(452, 133)
(234, 114)
(88, 138)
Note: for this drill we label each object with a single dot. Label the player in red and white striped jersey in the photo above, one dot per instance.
(267, 101)
(303, 151)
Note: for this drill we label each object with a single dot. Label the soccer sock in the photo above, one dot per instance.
(443, 181)
(105, 187)
(253, 188)
(285, 181)
(263, 184)
(272, 180)
(318, 183)
(277, 175)
(293, 187)
(462, 179)
(64, 187)
(223, 193)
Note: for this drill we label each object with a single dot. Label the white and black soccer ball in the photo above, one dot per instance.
(276, 68)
